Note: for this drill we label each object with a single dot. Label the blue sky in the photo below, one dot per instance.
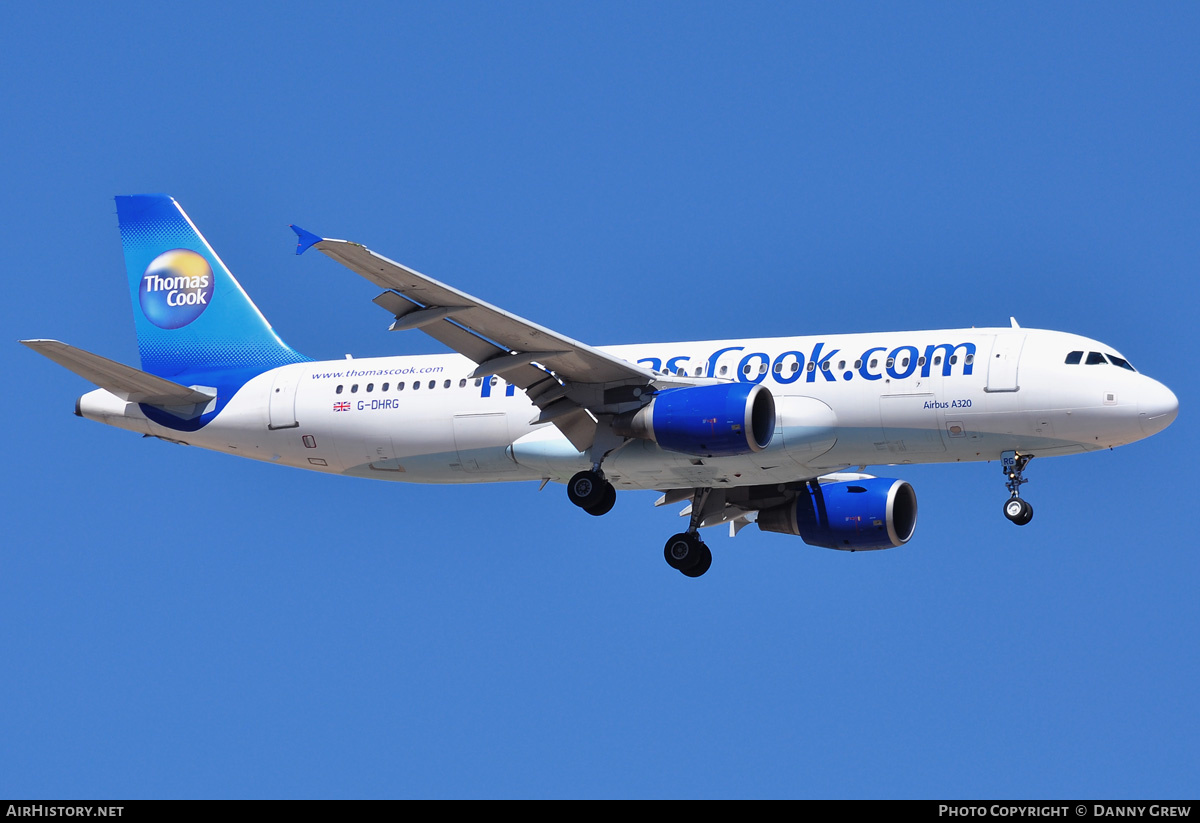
(177, 623)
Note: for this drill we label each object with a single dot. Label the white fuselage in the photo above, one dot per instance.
(841, 400)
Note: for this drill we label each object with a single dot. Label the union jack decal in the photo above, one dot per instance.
(343, 406)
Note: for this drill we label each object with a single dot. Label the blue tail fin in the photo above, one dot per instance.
(191, 315)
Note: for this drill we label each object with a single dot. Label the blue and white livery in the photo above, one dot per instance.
(777, 432)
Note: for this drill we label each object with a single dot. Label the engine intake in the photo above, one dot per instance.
(854, 515)
(707, 421)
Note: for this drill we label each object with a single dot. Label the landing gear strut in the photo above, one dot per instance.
(685, 551)
(591, 492)
(1015, 508)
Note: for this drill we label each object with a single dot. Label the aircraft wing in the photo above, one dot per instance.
(569, 381)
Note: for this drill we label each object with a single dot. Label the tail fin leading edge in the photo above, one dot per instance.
(191, 315)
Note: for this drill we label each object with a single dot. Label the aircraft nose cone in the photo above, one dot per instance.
(1157, 407)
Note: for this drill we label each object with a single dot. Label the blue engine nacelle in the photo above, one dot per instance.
(852, 515)
(707, 421)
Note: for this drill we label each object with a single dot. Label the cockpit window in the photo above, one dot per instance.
(1095, 358)
(1119, 361)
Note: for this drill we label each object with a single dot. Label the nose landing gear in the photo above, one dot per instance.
(1015, 508)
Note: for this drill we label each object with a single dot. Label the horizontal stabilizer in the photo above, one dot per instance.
(125, 382)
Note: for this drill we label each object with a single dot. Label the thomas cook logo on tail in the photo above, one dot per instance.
(176, 288)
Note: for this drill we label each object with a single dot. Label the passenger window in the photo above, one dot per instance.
(339, 390)
(462, 383)
(795, 366)
(953, 359)
(699, 371)
(841, 365)
(370, 387)
(724, 369)
(416, 385)
(970, 358)
(746, 369)
(446, 385)
(400, 386)
(874, 362)
(778, 368)
(1073, 358)
(904, 363)
(937, 361)
(858, 364)
(921, 360)
(762, 369)
(811, 366)
(825, 366)
(495, 381)
(478, 381)
(354, 389)
(891, 361)
(432, 384)
(384, 387)
(1095, 358)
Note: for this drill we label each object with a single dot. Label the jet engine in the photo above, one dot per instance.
(707, 421)
(853, 515)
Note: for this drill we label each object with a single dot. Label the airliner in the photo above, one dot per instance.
(773, 431)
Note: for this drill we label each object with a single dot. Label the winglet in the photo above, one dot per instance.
(305, 239)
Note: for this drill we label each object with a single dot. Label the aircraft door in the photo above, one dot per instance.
(1002, 365)
(282, 406)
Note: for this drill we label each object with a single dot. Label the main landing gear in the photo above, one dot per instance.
(591, 492)
(687, 553)
(1015, 508)
(684, 552)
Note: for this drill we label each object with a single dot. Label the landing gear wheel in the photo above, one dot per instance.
(1018, 511)
(685, 551)
(586, 489)
(606, 502)
(1028, 514)
(702, 566)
